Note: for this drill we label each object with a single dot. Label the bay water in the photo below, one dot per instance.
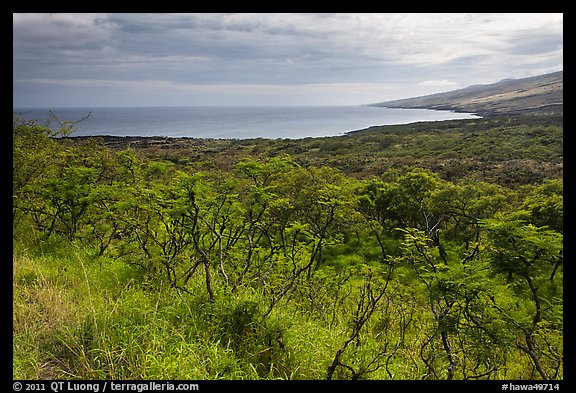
(234, 122)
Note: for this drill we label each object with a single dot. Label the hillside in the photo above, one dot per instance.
(424, 251)
(543, 93)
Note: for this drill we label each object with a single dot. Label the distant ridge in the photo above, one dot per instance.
(537, 94)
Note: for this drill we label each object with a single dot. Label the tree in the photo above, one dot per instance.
(545, 205)
(35, 156)
(324, 200)
(370, 295)
(401, 201)
(60, 204)
(530, 259)
(467, 327)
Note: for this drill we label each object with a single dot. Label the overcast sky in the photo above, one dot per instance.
(90, 60)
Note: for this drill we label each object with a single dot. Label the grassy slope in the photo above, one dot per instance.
(80, 317)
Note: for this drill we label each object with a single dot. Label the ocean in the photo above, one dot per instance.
(235, 122)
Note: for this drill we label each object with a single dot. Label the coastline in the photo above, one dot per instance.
(119, 142)
(483, 112)
(453, 147)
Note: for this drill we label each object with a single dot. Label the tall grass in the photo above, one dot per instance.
(81, 317)
(77, 316)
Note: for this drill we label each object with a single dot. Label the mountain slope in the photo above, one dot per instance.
(543, 93)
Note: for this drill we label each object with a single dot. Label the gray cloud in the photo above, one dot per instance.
(280, 49)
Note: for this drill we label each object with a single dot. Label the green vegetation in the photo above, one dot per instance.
(510, 151)
(365, 256)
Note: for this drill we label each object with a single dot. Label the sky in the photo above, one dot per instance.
(241, 59)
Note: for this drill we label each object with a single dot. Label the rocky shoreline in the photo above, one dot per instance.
(142, 142)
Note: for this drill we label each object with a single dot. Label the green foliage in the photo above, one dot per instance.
(127, 265)
(545, 205)
(531, 259)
